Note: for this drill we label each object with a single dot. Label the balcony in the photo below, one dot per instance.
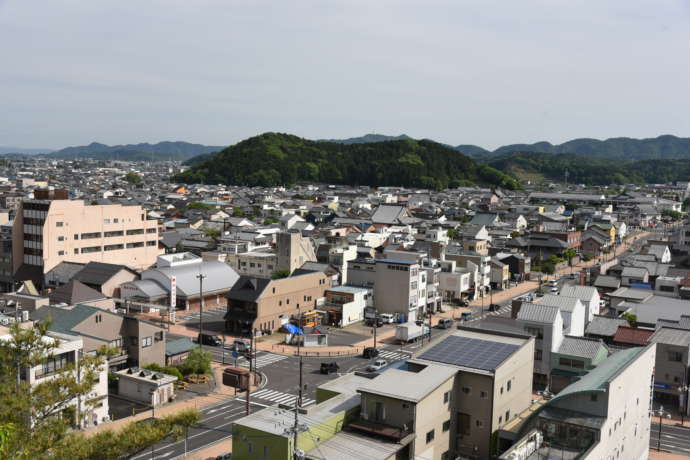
(382, 430)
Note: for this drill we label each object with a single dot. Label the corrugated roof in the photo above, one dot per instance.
(537, 313)
(581, 347)
(607, 282)
(598, 378)
(175, 347)
(671, 336)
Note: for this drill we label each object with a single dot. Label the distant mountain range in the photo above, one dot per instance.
(665, 146)
(22, 151)
(161, 151)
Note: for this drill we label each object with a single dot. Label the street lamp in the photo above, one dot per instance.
(661, 413)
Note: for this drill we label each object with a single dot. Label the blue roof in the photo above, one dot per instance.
(391, 261)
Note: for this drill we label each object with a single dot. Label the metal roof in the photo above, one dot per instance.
(584, 293)
(99, 272)
(538, 313)
(606, 281)
(671, 336)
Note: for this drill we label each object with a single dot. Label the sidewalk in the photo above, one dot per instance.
(220, 393)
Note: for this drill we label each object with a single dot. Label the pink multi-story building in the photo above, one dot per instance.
(51, 229)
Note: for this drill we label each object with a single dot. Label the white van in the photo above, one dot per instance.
(387, 318)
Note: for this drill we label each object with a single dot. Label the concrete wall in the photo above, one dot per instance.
(430, 414)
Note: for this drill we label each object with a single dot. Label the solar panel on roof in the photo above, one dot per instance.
(469, 352)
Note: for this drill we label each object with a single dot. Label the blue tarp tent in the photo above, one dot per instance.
(292, 329)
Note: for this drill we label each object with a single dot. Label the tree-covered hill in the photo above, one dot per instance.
(591, 170)
(282, 159)
(161, 151)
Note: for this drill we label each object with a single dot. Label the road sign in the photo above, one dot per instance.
(173, 291)
(235, 355)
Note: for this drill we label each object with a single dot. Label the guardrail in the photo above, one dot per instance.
(317, 353)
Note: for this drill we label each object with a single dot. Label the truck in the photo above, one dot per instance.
(410, 331)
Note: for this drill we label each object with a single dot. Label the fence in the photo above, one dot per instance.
(317, 353)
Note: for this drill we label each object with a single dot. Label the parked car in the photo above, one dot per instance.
(466, 316)
(445, 323)
(240, 345)
(494, 307)
(209, 339)
(387, 318)
(370, 352)
(374, 323)
(327, 368)
(377, 365)
(554, 290)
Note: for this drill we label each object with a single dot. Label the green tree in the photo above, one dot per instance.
(453, 234)
(199, 206)
(198, 361)
(280, 274)
(132, 177)
(270, 221)
(569, 254)
(36, 419)
(548, 267)
(686, 204)
(631, 318)
(674, 215)
(237, 212)
(211, 232)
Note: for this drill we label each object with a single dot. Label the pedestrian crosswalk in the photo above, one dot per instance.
(195, 315)
(279, 397)
(263, 359)
(393, 355)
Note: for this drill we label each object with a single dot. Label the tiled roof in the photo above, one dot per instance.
(631, 335)
(604, 326)
(605, 281)
(563, 303)
(99, 272)
(537, 313)
(581, 347)
(74, 292)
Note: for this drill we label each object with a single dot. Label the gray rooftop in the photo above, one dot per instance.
(584, 293)
(538, 313)
(581, 347)
(604, 326)
(606, 281)
(567, 304)
(408, 385)
(671, 336)
(472, 350)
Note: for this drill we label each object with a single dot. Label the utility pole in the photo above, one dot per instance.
(299, 394)
(431, 313)
(376, 320)
(201, 306)
(249, 383)
(295, 431)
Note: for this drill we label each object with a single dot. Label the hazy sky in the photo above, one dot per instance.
(486, 72)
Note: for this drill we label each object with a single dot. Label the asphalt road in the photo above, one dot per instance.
(215, 425)
(673, 438)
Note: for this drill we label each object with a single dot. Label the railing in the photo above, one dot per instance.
(317, 353)
(381, 429)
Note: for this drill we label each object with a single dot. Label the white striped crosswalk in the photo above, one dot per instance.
(262, 360)
(279, 397)
(393, 355)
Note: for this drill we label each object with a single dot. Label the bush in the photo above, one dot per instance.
(197, 362)
(586, 257)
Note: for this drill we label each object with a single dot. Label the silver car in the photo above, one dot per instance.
(377, 365)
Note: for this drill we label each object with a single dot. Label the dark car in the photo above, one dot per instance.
(371, 322)
(494, 307)
(370, 352)
(327, 368)
(209, 339)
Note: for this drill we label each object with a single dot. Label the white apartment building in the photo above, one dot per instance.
(52, 229)
(92, 409)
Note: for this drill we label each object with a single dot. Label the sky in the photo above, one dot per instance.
(484, 72)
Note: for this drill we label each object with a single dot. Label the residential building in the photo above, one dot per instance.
(545, 323)
(68, 349)
(105, 278)
(293, 251)
(588, 296)
(139, 342)
(575, 357)
(604, 415)
(671, 369)
(263, 304)
(345, 304)
(144, 386)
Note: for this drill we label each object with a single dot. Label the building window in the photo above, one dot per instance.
(61, 253)
(466, 390)
(446, 425)
(59, 224)
(537, 332)
(151, 230)
(91, 249)
(76, 236)
(135, 231)
(106, 221)
(134, 341)
(430, 436)
(151, 243)
(464, 424)
(508, 385)
(483, 394)
(537, 355)
(507, 415)
(146, 342)
(76, 250)
(113, 247)
(116, 220)
(89, 236)
(114, 233)
(446, 396)
(675, 356)
(138, 244)
(54, 364)
(61, 238)
(478, 423)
